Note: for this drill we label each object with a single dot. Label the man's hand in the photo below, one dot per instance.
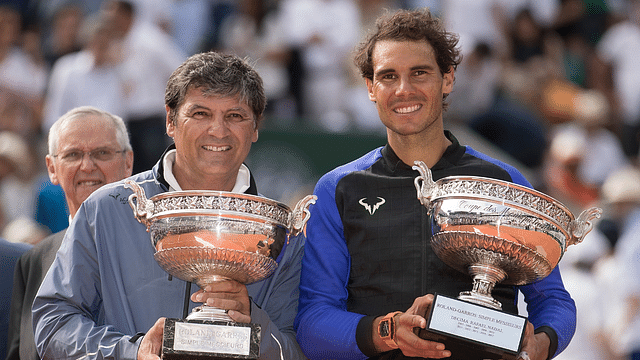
(534, 346)
(408, 325)
(151, 343)
(227, 295)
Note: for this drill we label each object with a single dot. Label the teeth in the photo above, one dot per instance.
(89, 183)
(406, 110)
(216, 148)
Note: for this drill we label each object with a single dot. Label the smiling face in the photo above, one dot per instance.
(80, 179)
(408, 87)
(213, 136)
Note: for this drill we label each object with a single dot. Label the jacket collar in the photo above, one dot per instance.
(452, 155)
(158, 173)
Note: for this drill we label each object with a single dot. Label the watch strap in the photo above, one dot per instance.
(390, 337)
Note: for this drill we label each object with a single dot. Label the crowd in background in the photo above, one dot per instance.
(553, 84)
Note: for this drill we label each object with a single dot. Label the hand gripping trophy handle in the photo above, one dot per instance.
(300, 215)
(424, 183)
(142, 207)
(581, 226)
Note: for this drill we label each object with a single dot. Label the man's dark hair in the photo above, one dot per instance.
(216, 74)
(410, 25)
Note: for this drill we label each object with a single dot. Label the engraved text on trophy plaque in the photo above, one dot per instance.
(474, 331)
(199, 339)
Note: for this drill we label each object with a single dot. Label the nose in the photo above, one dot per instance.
(87, 163)
(405, 86)
(218, 126)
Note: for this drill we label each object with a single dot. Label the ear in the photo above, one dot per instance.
(372, 96)
(254, 138)
(171, 128)
(51, 170)
(447, 81)
(129, 163)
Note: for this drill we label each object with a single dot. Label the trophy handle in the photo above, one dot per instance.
(142, 208)
(424, 183)
(301, 214)
(581, 226)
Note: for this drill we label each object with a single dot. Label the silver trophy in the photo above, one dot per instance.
(208, 236)
(498, 232)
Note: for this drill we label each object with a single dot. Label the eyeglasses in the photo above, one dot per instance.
(98, 155)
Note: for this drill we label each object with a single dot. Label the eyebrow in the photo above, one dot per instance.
(414, 68)
(240, 109)
(76, 149)
(195, 107)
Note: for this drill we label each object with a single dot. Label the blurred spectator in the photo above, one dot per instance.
(503, 80)
(514, 128)
(577, 266)
(583, 18)
(218, 11)
(254, 30)
(619, 47)
(583, 152)
(603, 154)
(9, 253)
(356, 98)
(16, 174)
(580, 24)
(477, 21)
(526, 37)
(44, 11)
(325, 31)
(63, 35)
(191, 24)
(157, 13)
(147, 56)
(477, 84)
(618, 277)
(88, 77)
(513, 122)
(486, 21)
(25, 230)
(22, 77)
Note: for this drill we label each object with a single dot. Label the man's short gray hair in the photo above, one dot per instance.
(122, 136)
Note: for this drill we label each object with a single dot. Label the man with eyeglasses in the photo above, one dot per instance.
(88, 148)
(105, 295)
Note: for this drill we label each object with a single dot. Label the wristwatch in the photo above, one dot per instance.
(387, 329)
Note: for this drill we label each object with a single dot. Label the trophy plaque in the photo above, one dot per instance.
(208, 236)
(497, 232)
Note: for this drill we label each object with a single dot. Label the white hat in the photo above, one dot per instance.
(24, 230)
(622, 186)
(15, 149)
(568, 143)
(591, 107)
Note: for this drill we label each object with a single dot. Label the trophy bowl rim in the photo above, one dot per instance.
(510, 185)
(216, 214)
(443, 194)
(169, 205)
(220, 194)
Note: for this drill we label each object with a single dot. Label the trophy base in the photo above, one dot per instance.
(474, 332)
(201, 339)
